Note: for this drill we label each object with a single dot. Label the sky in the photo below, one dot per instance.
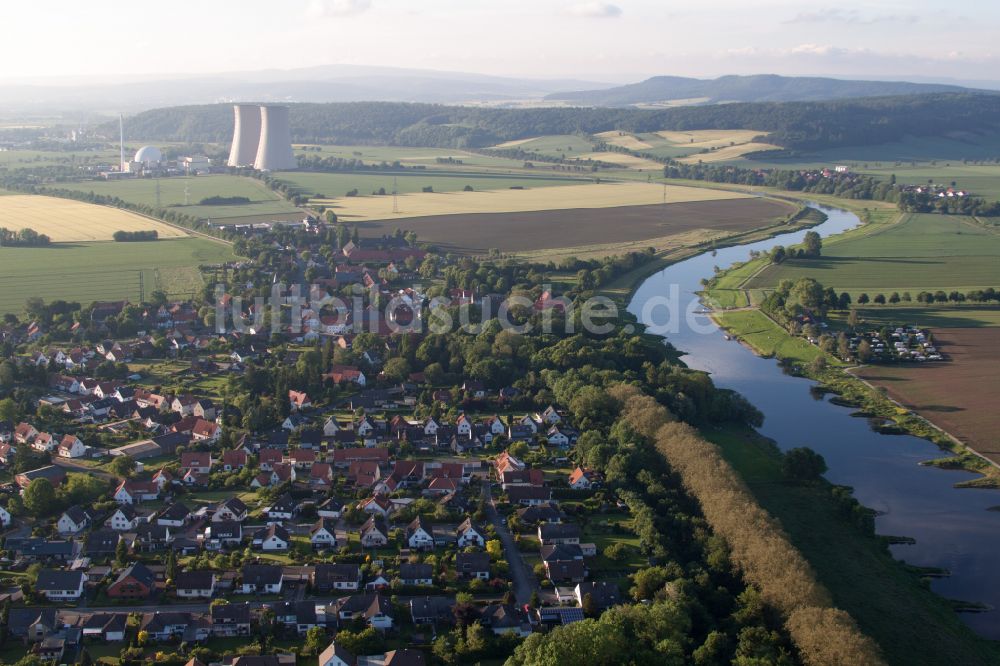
(594, 40)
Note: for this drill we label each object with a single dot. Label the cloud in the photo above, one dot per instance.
(596, 10)
(850, 17)
(330, 8)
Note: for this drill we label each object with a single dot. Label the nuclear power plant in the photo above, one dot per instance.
(262, 138)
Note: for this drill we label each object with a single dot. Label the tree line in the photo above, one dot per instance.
(23, 238)
(792, 125)
(135, 236)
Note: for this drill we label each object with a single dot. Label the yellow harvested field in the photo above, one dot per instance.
(711, 138)
(623, 140)
(515, 143)
(603, 195)
(727, 153)
(621, 159)
(65, 220)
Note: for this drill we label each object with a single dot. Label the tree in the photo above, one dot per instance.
(802, 464)
(813, 244)
(864, 351)
(495, 549)
(8, 410)
(588, 605)
(40, 498)
(122, 466)
(863, 298)
(853, 318)
(315, 640)
(121, 553)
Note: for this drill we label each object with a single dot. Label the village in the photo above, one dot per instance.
(374, 498)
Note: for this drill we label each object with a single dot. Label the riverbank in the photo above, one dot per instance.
(891, 601)
(621, 289)
(752, 327)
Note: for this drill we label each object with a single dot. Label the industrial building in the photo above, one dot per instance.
(262, 138)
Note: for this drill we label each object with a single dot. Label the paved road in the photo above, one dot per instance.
(524, 578)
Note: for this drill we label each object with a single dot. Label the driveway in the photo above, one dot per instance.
(523, 577)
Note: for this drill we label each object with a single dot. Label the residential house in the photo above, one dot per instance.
(330, 508)
(299, 400)
(73, 520)
(71, 447)
(134, 582)
(376, 610)
(195, 584)
(281, 509)
(468, 534)
(604, 595)
(323, 534)
(506, 619)
(234, 460)
(419, 536)
(529, 495)
(473, 565)
(558, 533)
(229, 620)
(330, 577)
(300, 615)
(416, 574)
(584, 479)
(57, 585)
(261, 579)
(197, 461)
(373, 534)
(436, 611)
(175, 515)
(231, 509)
(132, 491)
(123, 519)
(271, 538)
(223, 533)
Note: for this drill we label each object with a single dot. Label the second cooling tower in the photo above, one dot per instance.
(246, 136)
(274, 153)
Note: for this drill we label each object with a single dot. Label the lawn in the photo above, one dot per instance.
(410, 156)
(920, 252)
(889, 604)
(337, 185)
(87, 272)
(758, 331)
(65, 220)
(182, 194)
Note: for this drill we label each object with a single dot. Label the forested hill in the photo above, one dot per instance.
(794, 125)
(757, 88)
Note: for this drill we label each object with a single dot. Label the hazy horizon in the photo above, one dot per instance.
(611, 42)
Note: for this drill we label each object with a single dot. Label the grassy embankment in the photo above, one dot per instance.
(890, 601)
(768, 339)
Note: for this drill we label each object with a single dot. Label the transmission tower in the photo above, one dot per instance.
(395, 196)
(142, 289)
(187, 193)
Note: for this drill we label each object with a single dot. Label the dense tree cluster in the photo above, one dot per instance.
(22, 238)
(135, 236)
(796, 125)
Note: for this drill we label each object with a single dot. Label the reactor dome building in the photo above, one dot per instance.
(262, 138)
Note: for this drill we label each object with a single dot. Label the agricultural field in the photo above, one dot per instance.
(571, 195)
(597, 229)
(623, 160)
(172, 194)
(64, 220)
(86, 272)
(917, 253)
(408, 156)
(325, 186)
(959, 396)
(555, 145)
(22, 159)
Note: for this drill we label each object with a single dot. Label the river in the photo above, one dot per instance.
(952, 527)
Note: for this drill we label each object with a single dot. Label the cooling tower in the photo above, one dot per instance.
(275, 150)
(246, 135)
